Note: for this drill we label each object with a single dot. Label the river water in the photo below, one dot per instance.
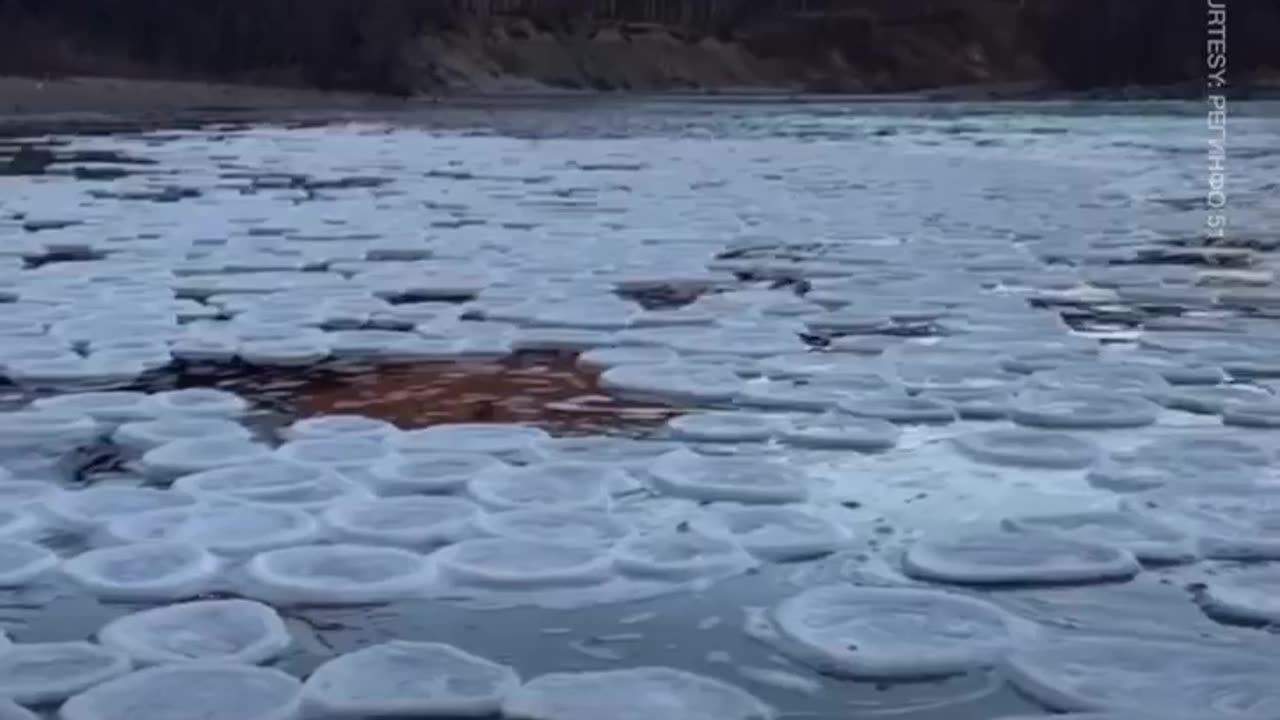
(928, 244)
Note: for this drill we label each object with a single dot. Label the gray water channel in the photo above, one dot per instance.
(1038, 270)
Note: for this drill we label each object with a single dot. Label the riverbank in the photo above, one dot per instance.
(982, 49)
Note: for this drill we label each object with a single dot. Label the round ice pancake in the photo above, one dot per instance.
(273, 482)
(558, 484)
(722, 427)
(1029, 448)
(1263, 414)
(898, 408)
(727, 478)
(1212, 399)
(153, 571)
(607, 357)
(413, 522)
(46, 430)
(514, 443)
(230, 528)
(220, 691)
(345, 426)
(202, 402)
(22, 563)
(1147, 538)
(592, 528)
(1190, 461)
(402, 679)
(90, 508)
(427, 472)
(1247, 595)
(341, 574)
(779, 533)
(641, 693)
(9, 710)
(676, 555)
(284, 352)
(43, 673)
(681, 381)
(997, 558)
(1237, 523)
(786, 395)
(107, 407)
(1126, 673)
(523, 564)
(232, 631)
(339, 453)
(1102, 377)
(1081, 410)
(888, 633)
(625, 452)
(838, 431)
(141, 436)
(193, 455)
(16, 522)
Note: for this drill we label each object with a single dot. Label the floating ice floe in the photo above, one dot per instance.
(22, 563)
(776, 533)
(202, 402)
(341, 574)
(1031, 448)
(1212, 399)
(433, 472)
(633, 694)
(345, 426)
(723, 427)
(109, 408)
(893, 633)
(997, 558)
(231, 631)
(273, 482)
(411, 522)
(507, 563)
(15, 521)
(285, 352)
(788, 395)
(10, 710)
(343, 454)
(1081, 410)
(1147, 538)
(45, 431)
(592, 528)
(1262, 414)
(558, 484)
(680, 381)
(25, 494)
(629, 453)
(607, 357)
(509, 442)
(151, 571)
(231, 528)
(1189, 461)
(898, 408)
(1102, 377)
(695, 476)
(141, 436)
(90, 508)
(194, 455)
(1168, 679)
(680, 555)
(838, 431)
(1240, 523)
(1247, 595)
(402, 678)
(44, 673)
(220, 691)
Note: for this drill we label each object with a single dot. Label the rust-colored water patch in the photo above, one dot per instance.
(547, 390)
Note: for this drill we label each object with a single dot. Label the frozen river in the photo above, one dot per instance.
(852, 410)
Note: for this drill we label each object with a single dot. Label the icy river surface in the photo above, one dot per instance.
(721, 410)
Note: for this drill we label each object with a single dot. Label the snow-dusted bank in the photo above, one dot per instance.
(924, 433)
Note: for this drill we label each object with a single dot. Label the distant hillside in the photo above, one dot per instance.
(412, 46)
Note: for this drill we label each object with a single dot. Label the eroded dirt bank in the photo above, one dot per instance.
(437, 46)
